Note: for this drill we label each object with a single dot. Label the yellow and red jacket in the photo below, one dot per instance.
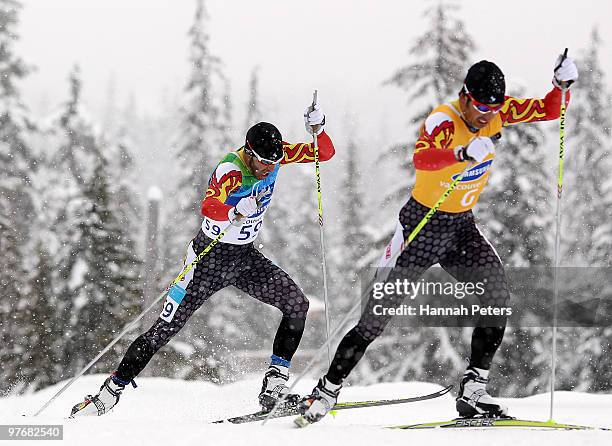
(444, 130)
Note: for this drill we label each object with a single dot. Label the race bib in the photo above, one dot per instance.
(236, 235)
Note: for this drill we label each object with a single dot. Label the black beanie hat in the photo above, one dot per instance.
(265, 140)
(486, 83)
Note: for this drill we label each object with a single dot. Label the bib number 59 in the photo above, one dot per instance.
(249, 231)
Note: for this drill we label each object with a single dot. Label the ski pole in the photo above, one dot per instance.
(131, 325)
(553, 360)
(321, 235)
(374, 279)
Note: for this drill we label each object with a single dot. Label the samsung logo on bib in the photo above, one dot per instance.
(475, 172)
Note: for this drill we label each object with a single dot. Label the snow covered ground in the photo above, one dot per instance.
(173, 412)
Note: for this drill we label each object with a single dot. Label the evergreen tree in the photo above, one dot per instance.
(587, 217)
(583, 352)
(198, 146)
(98, 271)
(11, 308)
(118, 151)
(587, 195)
(199, 142)
(42, 329)
(17, 160)
(17, 166)
(441, 55)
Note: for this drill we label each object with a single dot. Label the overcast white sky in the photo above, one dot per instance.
(345, 48)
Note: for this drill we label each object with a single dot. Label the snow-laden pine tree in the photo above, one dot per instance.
(587, 218)
(439, 59)
(98, 270)
(119, 151)
(12, 309)
(41, 329)
(17, 167)
(121, 131)
(17, 161)
(198, 141)
(587, 226)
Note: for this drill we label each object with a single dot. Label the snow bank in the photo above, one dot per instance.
(174, 412)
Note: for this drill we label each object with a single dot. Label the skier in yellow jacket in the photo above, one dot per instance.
(453, 134)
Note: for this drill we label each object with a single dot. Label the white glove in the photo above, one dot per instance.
(565, 71)
(476, 150)
(314, 117)
(245, 208)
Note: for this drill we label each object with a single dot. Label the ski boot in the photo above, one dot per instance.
(104, 400)
(316, 405)
(274, 386)
(474, 400)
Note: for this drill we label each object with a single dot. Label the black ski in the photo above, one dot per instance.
(292, 410)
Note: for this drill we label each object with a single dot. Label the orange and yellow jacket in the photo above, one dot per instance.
(445, 129)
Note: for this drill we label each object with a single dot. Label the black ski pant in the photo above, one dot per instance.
(453, 241)
(242, 266)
